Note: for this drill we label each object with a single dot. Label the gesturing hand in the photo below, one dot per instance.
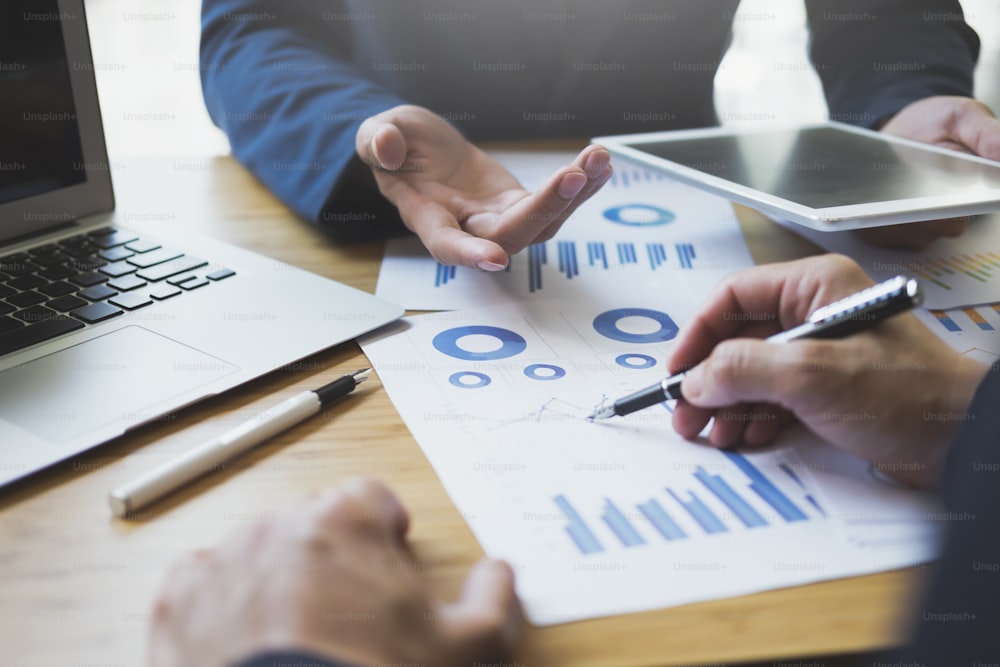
(331, 577)
(893, 395)
(958, 123)
(466, 208)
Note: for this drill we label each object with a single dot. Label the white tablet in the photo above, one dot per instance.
(828, 176)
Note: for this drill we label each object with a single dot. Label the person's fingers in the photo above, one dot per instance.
(438, 230)
(744, 370)
(487, 618)
(363, 504)
(764, 424)
(730, 422)
(977, 127)
(519, 226)
(380, 144)
(766, 298)
(689, 420)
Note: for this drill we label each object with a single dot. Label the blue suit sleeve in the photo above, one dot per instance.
(959, 623)
(277, 79)
(876, 57)
(290, 659)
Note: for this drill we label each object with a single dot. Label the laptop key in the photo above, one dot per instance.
(56, 273)
(97, 292)
(103, 231)
(154, 257)
(32, 334)
(171, 268)
(116, 269)
(193, 284)
(58, 288)
(221, 274)
(142, 245)
(25, 299)
(165, 292)
(5, 291)
(183, 278)
(8, 323)
(35, 314)
(115, 254)
(29, 281)
(126, 283)
(88, 278)
(17, 267)
(117, 237)
(96, 312)
(64, 303)
(131, 300)
(6, 308)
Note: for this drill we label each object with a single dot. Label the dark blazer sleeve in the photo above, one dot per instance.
(874, 57)
(276, 78)
(291, 659)
(959, 623)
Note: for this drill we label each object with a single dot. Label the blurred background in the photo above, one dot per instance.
(146, 59)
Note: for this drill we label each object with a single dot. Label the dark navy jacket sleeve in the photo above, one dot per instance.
(876, 57)
(290, 659)
(959, 623)
(289, 105)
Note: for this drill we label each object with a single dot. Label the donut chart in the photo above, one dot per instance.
(606, 324)
(480, 380)
(511, 343)
(639, 215)
(544, 372)
(633, 360)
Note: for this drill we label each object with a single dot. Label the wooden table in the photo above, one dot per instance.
(76, 586)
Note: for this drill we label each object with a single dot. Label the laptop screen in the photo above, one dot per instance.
(40, 148)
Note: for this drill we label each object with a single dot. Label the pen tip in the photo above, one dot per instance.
(361, 375)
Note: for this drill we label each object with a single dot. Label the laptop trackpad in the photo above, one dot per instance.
(120, 376)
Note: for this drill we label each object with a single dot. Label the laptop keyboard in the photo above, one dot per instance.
(60, 287)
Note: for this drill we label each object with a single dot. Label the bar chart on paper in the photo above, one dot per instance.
(641, 228)
(974, 331)
(742, 497)
(953, 272)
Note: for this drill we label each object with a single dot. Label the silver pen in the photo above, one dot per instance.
(841, 318)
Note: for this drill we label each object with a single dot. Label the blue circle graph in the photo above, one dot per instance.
(532, 372)
(606, 324)
(511, 343)
(628, 360)
(456, 379)
(639, 215)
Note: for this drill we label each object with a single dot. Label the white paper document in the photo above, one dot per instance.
(640, 231)
(953, 272)
(601, 518)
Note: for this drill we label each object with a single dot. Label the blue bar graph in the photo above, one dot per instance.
(658, 516)
(577, 529)
(750, 517)
(700, 512)
(685, 253)
(536, 257)
(657, 255)
(567, 259)
(626, 253)
(764, 488)
(444, 274)
(596, 254)
(620, 525)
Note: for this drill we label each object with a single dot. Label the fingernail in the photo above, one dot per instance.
(571, 185)
(595, 164)
(693, 384)
(490, 266)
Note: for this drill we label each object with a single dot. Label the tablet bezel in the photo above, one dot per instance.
(833, 218)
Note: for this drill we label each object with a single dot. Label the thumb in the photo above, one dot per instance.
(486, 619)
(381, 145)
(754, 371)
(979, 129)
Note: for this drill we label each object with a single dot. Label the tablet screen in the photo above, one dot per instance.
(822, 167)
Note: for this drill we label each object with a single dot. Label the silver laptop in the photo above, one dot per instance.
(103, 328)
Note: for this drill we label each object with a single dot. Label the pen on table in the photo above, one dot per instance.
(194, 463)
(841, 318)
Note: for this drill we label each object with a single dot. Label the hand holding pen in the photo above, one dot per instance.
(892, 393)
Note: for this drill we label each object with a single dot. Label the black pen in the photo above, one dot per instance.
(210, 455)
(841, 318)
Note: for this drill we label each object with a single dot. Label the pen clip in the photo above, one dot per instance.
(896, 294)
